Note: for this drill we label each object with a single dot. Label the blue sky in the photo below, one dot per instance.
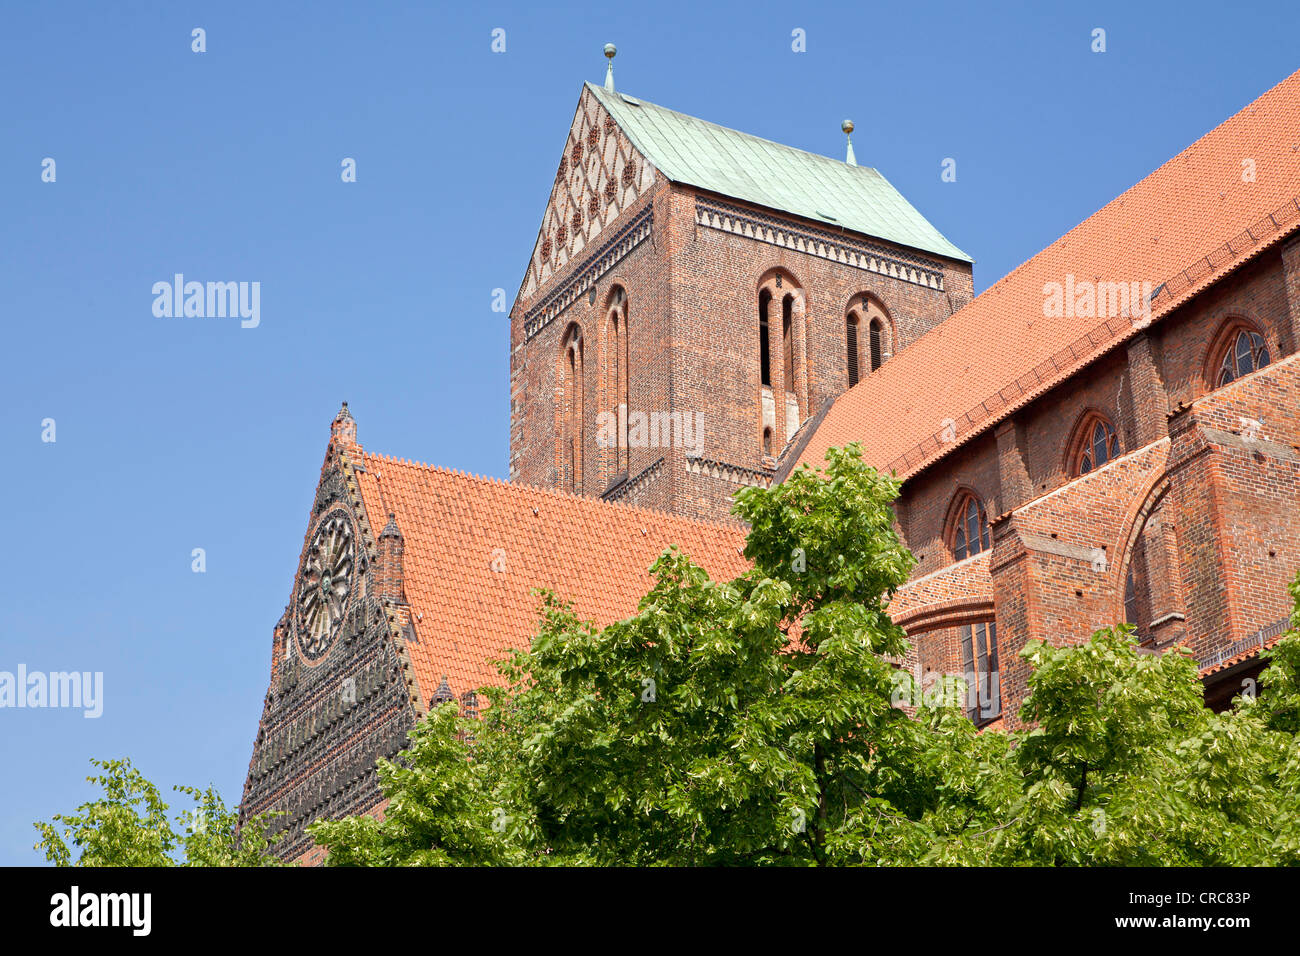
(175, 434)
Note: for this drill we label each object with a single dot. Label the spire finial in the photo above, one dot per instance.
(610, 51)
(343, 429)
(847, 126)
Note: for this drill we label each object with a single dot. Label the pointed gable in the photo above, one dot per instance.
(600, 174)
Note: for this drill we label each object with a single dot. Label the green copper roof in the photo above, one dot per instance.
(689, 150)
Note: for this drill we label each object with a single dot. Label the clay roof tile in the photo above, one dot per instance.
(476, 548)
(1181, 228)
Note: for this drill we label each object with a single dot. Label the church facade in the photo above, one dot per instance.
(1110, 433)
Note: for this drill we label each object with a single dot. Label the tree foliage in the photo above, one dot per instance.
(129, 826)
(756, 722)
(753, 722)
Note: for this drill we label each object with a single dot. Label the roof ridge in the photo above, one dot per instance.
(689, 150)
(728, 524)
(730, 129)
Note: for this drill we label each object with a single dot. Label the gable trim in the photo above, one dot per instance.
(590, 272)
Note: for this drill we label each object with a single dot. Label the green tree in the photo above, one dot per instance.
(753, 721)
(439, 812)
(756, 722)
(748, 721)
(130, 826)
(1121, 763)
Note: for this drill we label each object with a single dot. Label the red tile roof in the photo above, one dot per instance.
(1185, 225)
(457, 526)
(1235, 659)
(1252, 646)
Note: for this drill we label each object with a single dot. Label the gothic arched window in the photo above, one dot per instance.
(851, 336)
(873, 335)
(1132, 587)
(1241, 351)
(877, 336)
(615, 382)
(571, 408)
(781, 333)
(787, 342)
(1153, 582)
(969, 534)
(1095, 444)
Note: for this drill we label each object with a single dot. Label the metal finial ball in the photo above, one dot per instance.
(610, 50)
(847, 126)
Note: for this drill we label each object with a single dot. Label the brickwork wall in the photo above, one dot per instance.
(692, 289)
(930, 500)
(692, 295)
(537, 388)
(1245, 524)
(716, 278)
(1232, 506)
(1258, 293)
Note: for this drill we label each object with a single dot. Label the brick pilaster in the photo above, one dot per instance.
(1291, 271)
(1013, 597)
(1194, 507)
(1150, 400)
(1013, 474)
(1164, 579)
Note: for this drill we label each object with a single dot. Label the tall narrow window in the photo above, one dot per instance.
(571, 375)
(979, 646)
(1153, 586)
(767, 441)
(876, 330)
(764, 363)
(571, 467)
(611, 418)
(851, 332)
(787, 341)
(1131, 595)
(970, 529)
(618, 393)
(624, 385)
(613, 385)
(1096, 444)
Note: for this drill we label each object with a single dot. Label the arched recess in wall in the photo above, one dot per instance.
(1093, 442)
(966, 528)
(869, 336)
(782, 308)
(614, 384)
(570, 379)
(1238, 348)
(1149, 585)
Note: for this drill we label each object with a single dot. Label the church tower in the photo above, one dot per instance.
(697, 296)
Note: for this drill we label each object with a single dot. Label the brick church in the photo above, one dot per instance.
(1109, 433)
